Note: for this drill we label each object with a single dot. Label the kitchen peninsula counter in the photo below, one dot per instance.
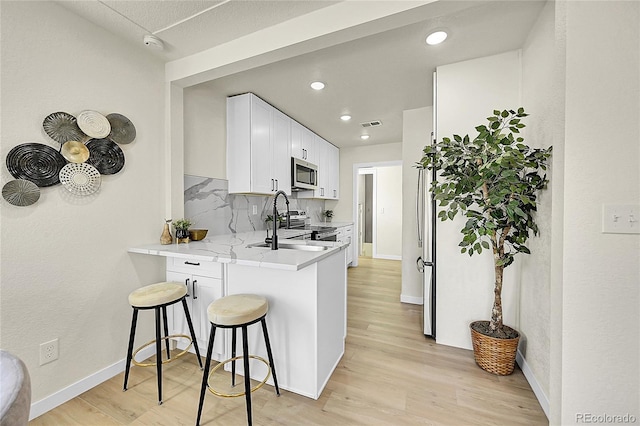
(306, 291)
(233, 249)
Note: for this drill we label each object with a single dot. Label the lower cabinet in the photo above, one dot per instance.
(204, 285)
(345, 235)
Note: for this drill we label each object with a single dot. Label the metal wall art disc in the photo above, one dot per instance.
(94, 124)
(80, 178)
(21, 192)
(35, 162)
(62, 127)
(105, 156)
(75, 152)
(122, 129)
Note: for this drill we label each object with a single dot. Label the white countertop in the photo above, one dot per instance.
(233, 249)
(332, 223)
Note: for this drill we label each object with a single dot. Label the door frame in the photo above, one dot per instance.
(354, 179)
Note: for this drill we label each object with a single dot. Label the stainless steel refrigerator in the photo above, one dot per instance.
(426, 263)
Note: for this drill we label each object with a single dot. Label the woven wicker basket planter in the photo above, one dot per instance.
(497, 356)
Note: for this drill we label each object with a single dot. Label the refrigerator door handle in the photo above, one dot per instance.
(421, 263)
(420, 206)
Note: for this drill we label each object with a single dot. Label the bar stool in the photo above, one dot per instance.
(157, 297)
(237, 311)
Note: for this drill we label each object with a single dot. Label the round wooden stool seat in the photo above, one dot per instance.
(237, 309)
(157, 294)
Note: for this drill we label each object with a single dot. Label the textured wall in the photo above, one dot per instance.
(205, 136)
(538, 98)
(65, 270)
(601, 272)
(343, 209)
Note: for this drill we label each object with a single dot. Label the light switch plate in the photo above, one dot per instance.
(621, 218)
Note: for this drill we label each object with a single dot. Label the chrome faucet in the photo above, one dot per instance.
(274, 239)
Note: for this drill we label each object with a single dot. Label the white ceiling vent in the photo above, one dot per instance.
(373, 123)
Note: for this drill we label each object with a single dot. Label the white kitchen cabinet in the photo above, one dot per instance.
(303, 143)
(333, 170)
(345, 235)
(258, 146)
(328, 172)
(306, 321)
(204, 285)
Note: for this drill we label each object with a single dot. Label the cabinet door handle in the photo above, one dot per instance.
(276, 184)
(186, 262)
(195, 295)
(186, 283)
(272, 184)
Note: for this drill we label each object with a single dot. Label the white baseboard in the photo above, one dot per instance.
(50, 402)
(411, 299)
(535, 386)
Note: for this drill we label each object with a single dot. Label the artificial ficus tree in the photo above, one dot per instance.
(493, 180)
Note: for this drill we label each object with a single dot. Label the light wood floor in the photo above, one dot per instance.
(390, 375)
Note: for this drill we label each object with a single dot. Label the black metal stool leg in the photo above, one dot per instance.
(205, 373)
(233, 355)
(166, 330)
(247, 375)
(132, 334)
(191, 330)
(159, 355)
(272, 365)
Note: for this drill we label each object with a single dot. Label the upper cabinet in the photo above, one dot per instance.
(258, 146)
(303, 143)
(260, 143)
(328, 172)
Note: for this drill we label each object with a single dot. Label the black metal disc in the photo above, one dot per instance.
(105, 156)
(63, 127)
(35, 162)
(122, 129)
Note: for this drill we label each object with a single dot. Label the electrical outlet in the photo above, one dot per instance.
(255, 209)
(48, 351)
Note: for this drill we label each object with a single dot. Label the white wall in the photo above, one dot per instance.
(600, 356)
(539, 100)
(65, 270)
(388, 243)
(417, 125)
(468, 92)
(343, 208)
(205, 143)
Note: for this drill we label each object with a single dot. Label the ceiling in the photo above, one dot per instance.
(371, 78)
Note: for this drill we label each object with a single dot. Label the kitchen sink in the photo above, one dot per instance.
(289, 246)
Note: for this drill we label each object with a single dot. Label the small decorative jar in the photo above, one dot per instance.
(182, 236)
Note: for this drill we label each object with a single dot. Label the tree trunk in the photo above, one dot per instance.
(496, 313)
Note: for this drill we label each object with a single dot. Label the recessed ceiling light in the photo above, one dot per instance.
(317, 85)
(364, 137)
(345, 117)
(436, 37)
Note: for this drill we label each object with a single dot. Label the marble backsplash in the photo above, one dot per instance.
(208, 204)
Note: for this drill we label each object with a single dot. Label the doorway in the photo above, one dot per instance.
(378, 209)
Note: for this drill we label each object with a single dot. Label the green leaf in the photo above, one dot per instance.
(485, 245)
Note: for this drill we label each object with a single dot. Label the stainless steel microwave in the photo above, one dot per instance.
(304, 175)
